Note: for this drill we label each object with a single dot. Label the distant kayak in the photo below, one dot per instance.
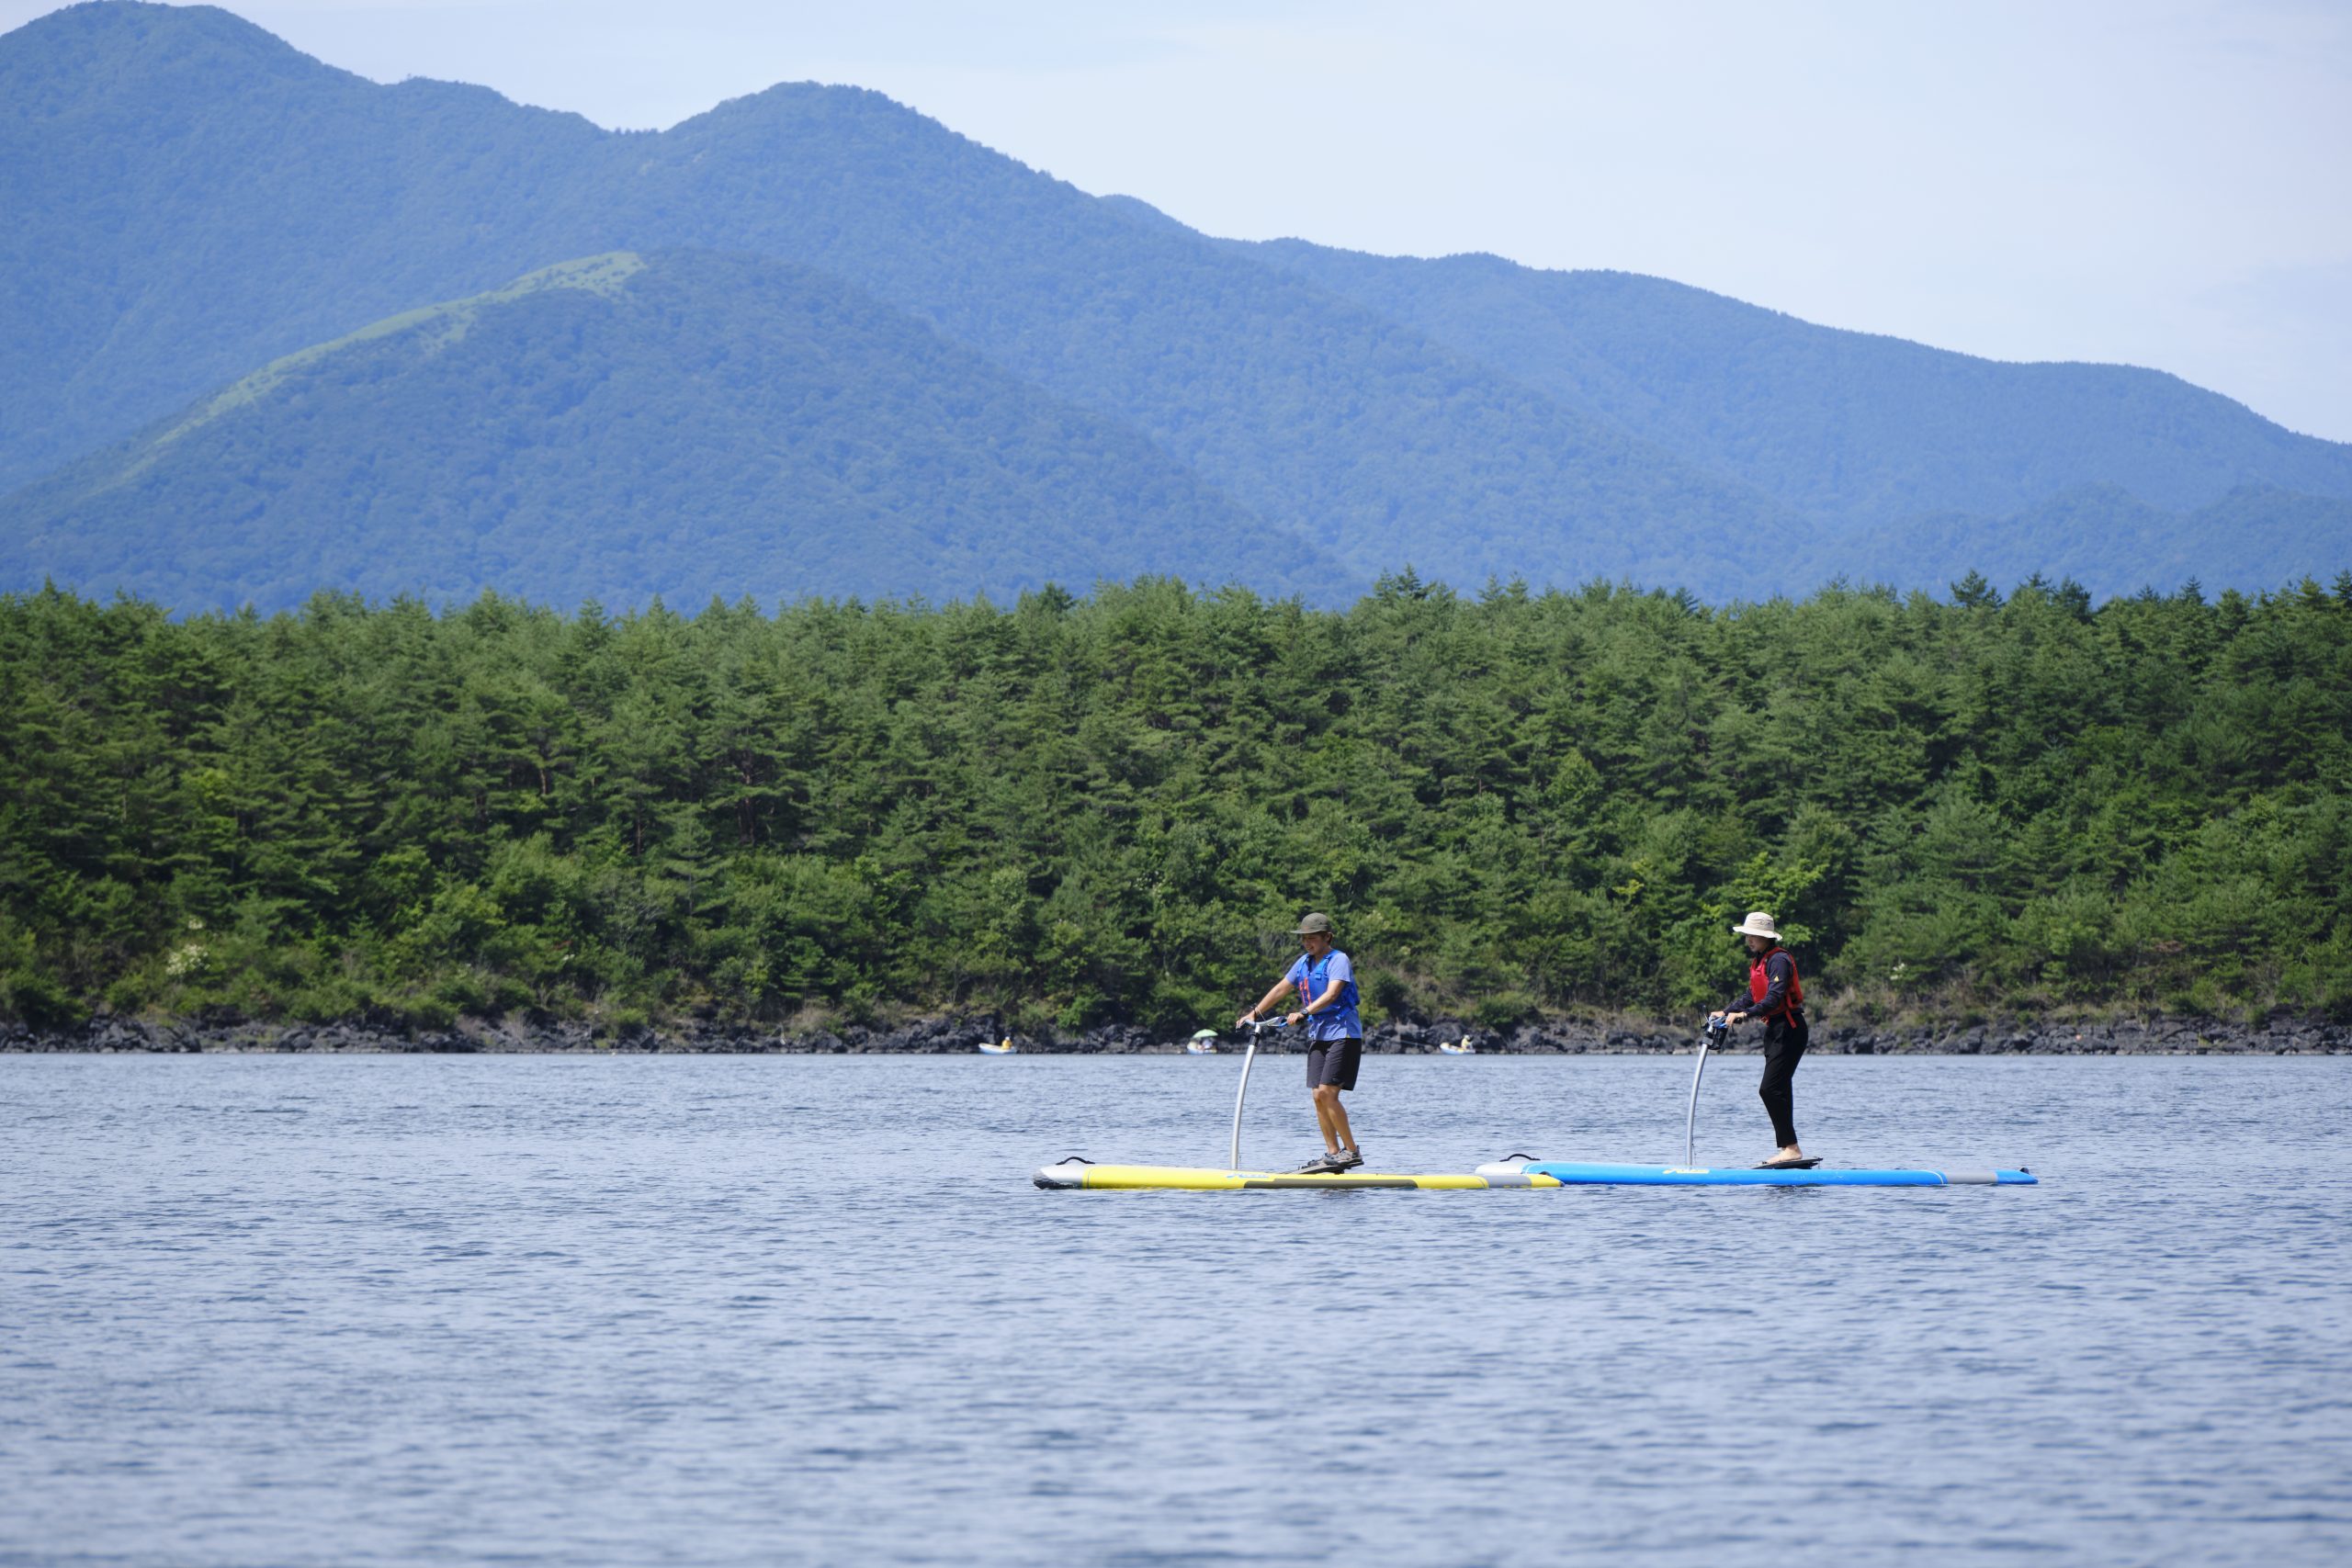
(1203, 1044)
(1460, 1047)
(998, 1048)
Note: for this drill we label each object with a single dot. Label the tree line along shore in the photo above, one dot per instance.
(1102, 813)
(943, 1036)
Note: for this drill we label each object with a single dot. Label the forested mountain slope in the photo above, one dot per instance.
(188, 199)
(681, 423)
(1298, 404)
(261, 201)
(1844, 424)
(2103, 538)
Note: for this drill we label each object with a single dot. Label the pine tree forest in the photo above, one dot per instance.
(1073, 811)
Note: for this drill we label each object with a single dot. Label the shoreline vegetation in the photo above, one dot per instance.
(957, 1036)
(1094, 819)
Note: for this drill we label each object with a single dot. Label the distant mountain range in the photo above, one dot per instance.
(813, 342)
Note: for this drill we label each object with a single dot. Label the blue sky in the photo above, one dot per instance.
(2157, 184)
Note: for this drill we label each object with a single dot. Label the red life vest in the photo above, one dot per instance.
(1758, 982)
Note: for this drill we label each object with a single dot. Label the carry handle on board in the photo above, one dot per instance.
(1256, 1027)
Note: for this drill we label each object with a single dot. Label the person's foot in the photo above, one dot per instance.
(1789, 1159)
(1319, 1165)
(1346, 1159)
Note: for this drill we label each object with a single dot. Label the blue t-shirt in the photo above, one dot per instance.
(1313, 977)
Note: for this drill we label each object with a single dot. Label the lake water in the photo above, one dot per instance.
(782, 1310)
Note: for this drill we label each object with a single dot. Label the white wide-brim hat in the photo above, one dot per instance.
(1758, 924)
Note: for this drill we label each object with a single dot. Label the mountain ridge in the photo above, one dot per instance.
(220, 201)
(1526, 306)
(727, 406)
(1301, 406)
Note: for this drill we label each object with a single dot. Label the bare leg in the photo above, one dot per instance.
(1332, 1117)
(1327, 1100)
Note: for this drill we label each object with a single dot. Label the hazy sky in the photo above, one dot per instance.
(2160, 184)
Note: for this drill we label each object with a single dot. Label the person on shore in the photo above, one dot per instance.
(1326, 983)
(1776, 995)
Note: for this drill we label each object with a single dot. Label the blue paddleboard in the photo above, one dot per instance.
(1574, 1173)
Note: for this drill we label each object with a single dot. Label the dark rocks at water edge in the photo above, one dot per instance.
(943, 1037)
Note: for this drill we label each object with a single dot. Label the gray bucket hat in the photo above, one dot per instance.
(1314, 925)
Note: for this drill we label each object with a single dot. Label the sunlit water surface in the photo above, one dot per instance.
(716, 1311)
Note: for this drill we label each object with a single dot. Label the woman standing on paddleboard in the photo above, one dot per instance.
(1776, 996)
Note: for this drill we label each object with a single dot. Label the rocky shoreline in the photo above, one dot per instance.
(942, 1036)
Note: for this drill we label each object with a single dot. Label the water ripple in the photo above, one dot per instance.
(717, 1311)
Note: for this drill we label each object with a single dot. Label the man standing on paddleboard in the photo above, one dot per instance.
(1326, 984)
(1776, 996)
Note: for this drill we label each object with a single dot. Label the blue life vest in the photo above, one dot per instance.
(1338, 1022)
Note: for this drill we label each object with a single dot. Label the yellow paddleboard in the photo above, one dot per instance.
(1078, 1174)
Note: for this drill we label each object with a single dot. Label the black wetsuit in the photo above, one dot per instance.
(1786, 1037)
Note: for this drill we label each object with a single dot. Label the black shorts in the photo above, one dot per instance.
(1334, 1062)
